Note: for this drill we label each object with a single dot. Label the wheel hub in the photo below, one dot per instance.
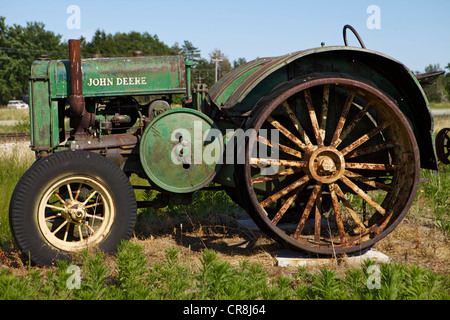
(74, 211)
(326, 164)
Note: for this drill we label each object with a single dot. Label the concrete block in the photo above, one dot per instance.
(286, 258)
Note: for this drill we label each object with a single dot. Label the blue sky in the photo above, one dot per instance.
(414, 32)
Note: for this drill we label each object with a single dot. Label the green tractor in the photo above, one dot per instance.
(321, 147)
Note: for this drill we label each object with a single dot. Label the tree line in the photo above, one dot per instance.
(21, 45)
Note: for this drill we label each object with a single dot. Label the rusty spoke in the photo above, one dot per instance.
(285, 191)
(308, 208)
(363, 195)
(285, 207)
(287, 133)
(371, 149)
(317, 216)
(313, 117)
(337, 210)
(279, 174)
(361, 114)
(324, 115)
(349, 208)
(297, 125)
(371, 166)
(367, 181)
(282, 147)
(337, 133)
(365, 137)
(279, 162)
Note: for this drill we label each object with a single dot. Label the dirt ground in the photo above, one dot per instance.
(413, 241)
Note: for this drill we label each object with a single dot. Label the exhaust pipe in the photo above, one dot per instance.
(80, 118)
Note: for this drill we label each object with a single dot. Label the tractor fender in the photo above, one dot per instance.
(238, 92)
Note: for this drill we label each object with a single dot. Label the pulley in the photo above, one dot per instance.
(181, 150)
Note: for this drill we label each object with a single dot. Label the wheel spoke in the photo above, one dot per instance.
(313, 117)
(279, 162)
(78, 191)
(324, 115)
(337, 133)
(284, 191)
(282, 147)
(66, 232)
(89, 227)
(53, 217)
(337, 211)
(287, 133)
(285, 206)
(60, 226)
(296, 123)
(367, 181)
(349, 208)
(317, 217)
(70, 191)
(94, 216)
(371, 149)
(54, 207)
(371, 166)
(365, 137)
(279, 174)
(89, 198)
(64, 202)
(309, 206)
(80, 232)
(363, 195)
(93, 205)
(355, 121)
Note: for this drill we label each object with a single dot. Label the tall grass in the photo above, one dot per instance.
(12, 167)
(130, 276)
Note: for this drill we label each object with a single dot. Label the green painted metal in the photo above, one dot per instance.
(178, 150)
(44, 113)
(121, 76)
(49, 87)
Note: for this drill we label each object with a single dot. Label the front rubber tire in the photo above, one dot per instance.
(47, 229)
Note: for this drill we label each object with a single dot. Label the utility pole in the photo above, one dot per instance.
(216, 60)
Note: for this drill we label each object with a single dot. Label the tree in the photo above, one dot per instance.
(190, 52)
(239, 62)
(19, 47)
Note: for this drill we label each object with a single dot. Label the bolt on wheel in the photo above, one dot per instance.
(345, 170)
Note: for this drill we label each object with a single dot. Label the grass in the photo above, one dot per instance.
(129, 276)
(440, 105)
(14, 114)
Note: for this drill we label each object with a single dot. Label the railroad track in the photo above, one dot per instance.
(14, 136)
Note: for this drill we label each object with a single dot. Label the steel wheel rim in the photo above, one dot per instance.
(75, 213)
(342, 239)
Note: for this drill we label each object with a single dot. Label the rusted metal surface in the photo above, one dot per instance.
(396, 80)
(347, 158)
(80, 118)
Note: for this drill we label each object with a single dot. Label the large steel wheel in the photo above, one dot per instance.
(347, 168)
(70, 201)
